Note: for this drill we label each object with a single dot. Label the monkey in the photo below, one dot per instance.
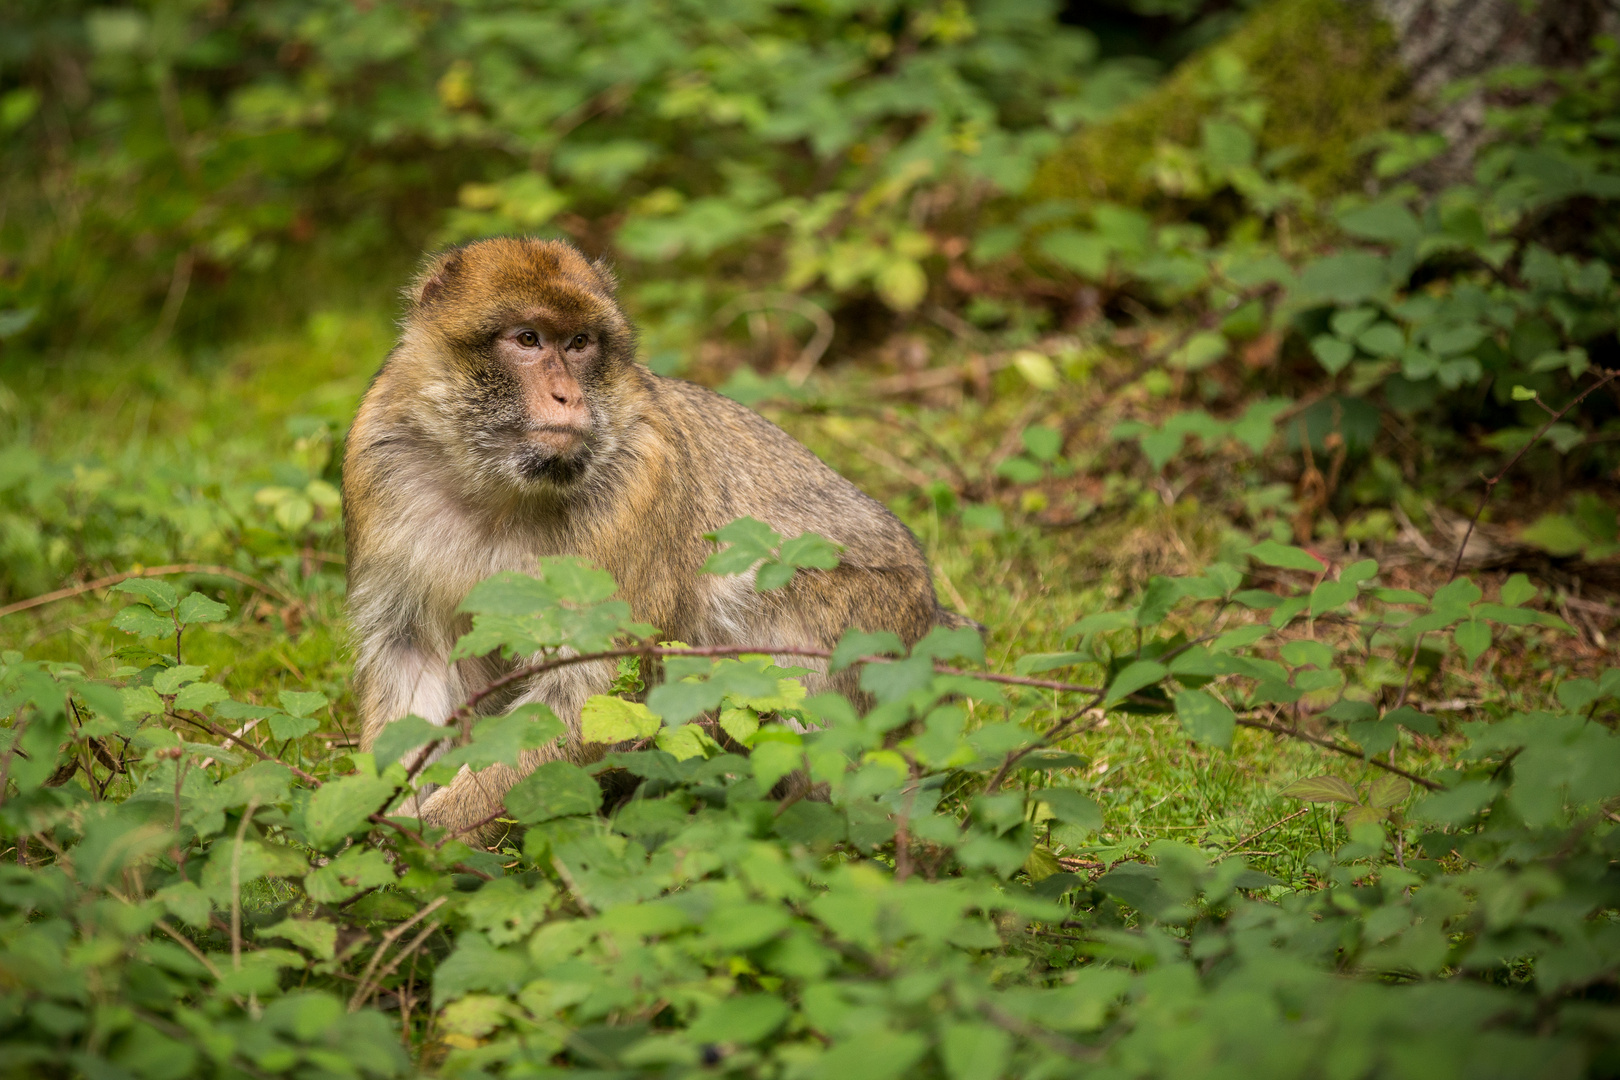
(512, 421)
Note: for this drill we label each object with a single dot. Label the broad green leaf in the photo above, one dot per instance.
(1199, 351)
(740, 724)
(200, 695)
(858, 643)
(1330, 595)
(402, 736)
(974, 1051)
(283, 726)
(683, 743)
(1387, 221)
(1321, 789)
(1272, 553)
(1084, 253)
(1043, 443)
(315, 936)
(156, 594)
(1071, 807)
(1346, 278)
(613, 720)
(810, 550)
(1517, 590)
(773, 760)
(747, 542)
(1134, 677)
(170, 680)
(556, 789)
(1473, 638)
(142, 621)
(301, 703)
(342, 806)
(1388, 791)
(1205, 718)
(1332, 353)
(742, 1018)
(358, 868)
(874, 1055)
(197, 608)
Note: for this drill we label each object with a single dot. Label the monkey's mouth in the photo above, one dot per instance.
(552, 455)
(556, 440)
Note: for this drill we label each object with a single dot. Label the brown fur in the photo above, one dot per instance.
(434, 502)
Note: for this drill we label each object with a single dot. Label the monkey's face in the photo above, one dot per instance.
(533, 400)
(533, 343)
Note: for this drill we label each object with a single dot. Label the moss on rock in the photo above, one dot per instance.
(1326, 72)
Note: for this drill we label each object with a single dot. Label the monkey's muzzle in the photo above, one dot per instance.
(555, 439)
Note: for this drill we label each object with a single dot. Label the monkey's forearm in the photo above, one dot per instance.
(404, 680)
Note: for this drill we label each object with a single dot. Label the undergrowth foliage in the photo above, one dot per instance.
(188, 892)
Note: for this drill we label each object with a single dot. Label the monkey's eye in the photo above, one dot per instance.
(579, 341)
(528, 339)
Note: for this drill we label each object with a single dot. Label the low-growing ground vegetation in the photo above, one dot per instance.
(1284, 484)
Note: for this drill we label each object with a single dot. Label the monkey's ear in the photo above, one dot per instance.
(604, 270)
(430, 283)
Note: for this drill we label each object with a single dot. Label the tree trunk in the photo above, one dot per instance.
(1441, 41)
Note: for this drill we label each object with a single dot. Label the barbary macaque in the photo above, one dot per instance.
(513, 422)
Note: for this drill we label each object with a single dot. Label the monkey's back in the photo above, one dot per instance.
(752, 468)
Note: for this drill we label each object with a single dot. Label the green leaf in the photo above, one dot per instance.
(170, 680)
(1473, 638)
(340, 807)
(1084, 253)
(1321, 789)
(1388, 791)
(1346, 278)
(1349, 323)
(874, 1055)
(1160, 446)
(742, 1018)
(1043, 443)
(357, 869)
(974, 1051)
(151, 592)
(1388, 221)
(773, 575)
(556, 789)
(1200, 350)
(1272, 553)
(143, 622)
(300, 703)
(500, 740)
(1384, 339)
(315, 936)
(747, 542)
(402, 736)
(810, 551)
(1557, 534)
(1205, 718)
(1333, 354)
(197, 608)
(858, 643)
(740, 723)
(200, 695)
(1330, 595)
(773, 760)
(613, 720)
(684, 743)
(1071, 807)
(1134, 677)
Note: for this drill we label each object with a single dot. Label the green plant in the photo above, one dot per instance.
(920, 919)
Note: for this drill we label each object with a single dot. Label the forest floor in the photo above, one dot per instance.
(1083, 538)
